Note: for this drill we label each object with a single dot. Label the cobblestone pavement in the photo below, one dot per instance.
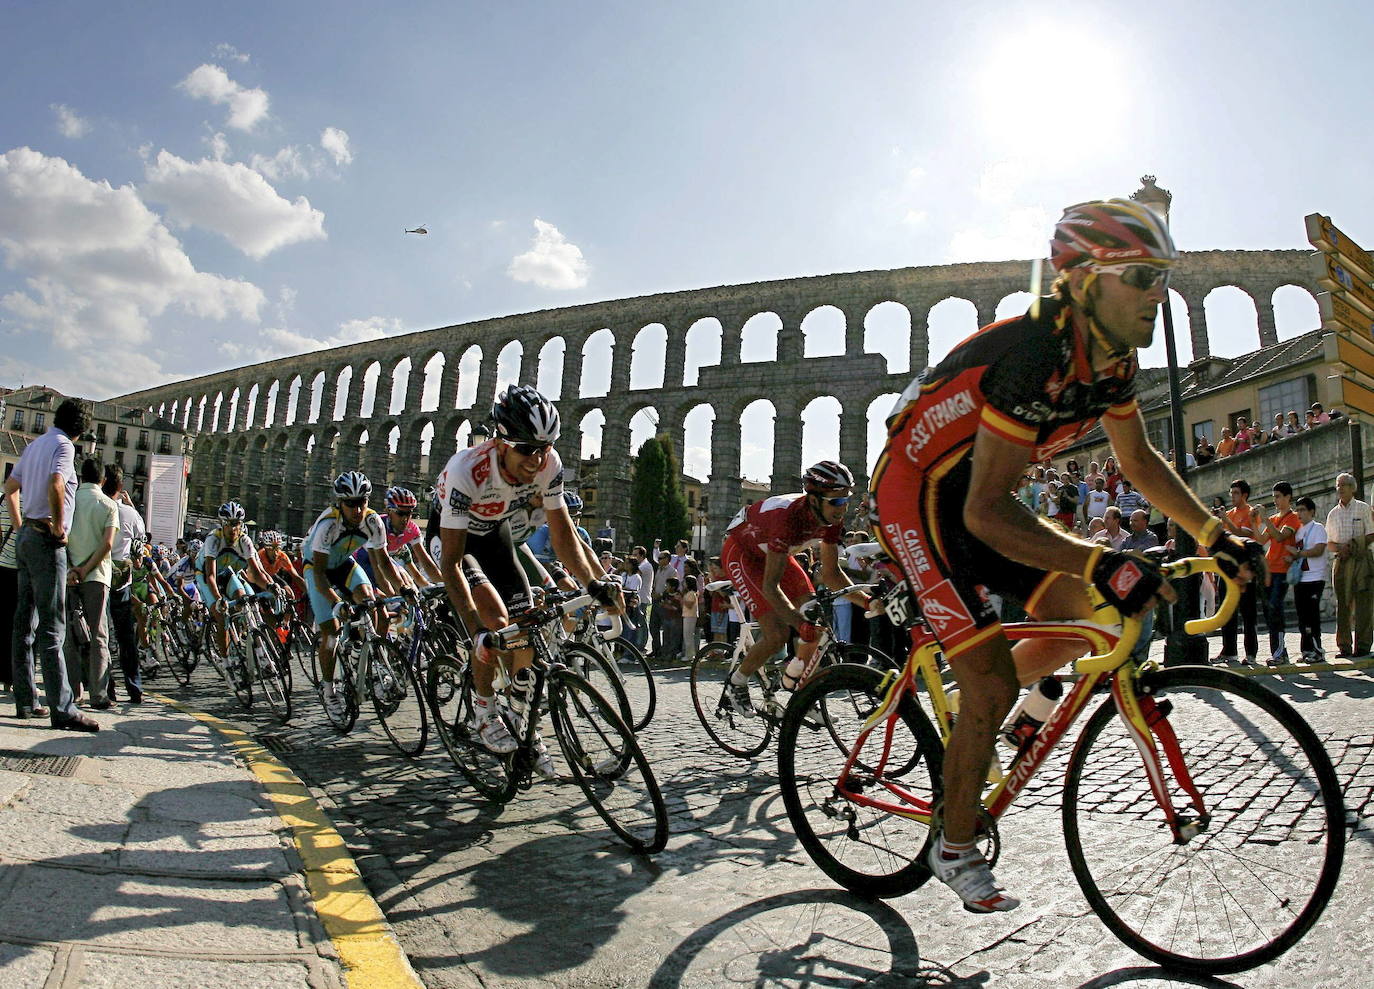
(540, 893)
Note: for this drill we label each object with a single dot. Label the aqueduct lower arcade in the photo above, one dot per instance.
(274, 434)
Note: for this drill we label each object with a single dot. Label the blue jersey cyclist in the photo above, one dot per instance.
(225, 559)
(485, 490)
(331, 572)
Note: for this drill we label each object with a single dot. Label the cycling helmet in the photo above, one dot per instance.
(138, 548)
(522, 415)
(352, 484)
(399, 497)
(573, 502)
(232, 511)
(828, 475)
(194, 547)
(1111, 232)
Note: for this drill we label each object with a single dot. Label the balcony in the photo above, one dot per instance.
(141, 445)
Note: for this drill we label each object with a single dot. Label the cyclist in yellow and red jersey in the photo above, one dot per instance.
(1018, 392)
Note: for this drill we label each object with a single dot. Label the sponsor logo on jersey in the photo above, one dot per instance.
(1132, 252)
(487, 509)
(481, 470)
(909, 548)
(944, 610)
(924, 427)
(1124, 580)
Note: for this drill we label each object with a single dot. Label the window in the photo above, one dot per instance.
(143, 439)
(1201, 429)
(139, 464)
(1157, 430)
(691, 499)
(119, 457)
(122, 436)
(1294, 395)
(1238, 414)
(18, 422)
(100, 432)
(164, 444)
(40, 422)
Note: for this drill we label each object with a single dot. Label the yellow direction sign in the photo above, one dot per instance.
(1337, 314)
(1356, 396)
(1323, 235)
(1331, 274)
(1356, 352)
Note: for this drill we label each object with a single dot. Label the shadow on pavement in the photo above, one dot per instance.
(816, 937)
(1153, 975)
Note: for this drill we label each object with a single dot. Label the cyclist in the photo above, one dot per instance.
(540, 542)
(758, 558)
(146, 582)
(486, 491)
(277, 564)
(331, 572)
(403, 541)
(227, 553)
(1015, 393)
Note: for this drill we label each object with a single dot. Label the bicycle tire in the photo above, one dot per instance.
(345, 680)
(866, 850)
(600, 671)
(397, 699)
(304, 648)
(607, 762)
(238, 672)
(186, 654)
(274, 687)
(1270, 854)
(449, 691)
(635, 663)
(738, 735)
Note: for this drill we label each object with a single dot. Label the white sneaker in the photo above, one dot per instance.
(335, 708)
(543, 762)
(494, 734)
(970, 876)
(1279, 658)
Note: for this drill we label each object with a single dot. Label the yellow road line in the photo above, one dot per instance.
(371, 956)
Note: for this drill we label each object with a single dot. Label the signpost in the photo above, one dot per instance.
(1345, 270)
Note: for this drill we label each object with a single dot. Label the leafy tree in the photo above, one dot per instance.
(658, 509)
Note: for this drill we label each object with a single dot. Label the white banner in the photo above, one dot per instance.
(164, 498)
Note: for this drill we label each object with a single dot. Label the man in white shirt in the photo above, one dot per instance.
(121, 587)
(1349, 531)
(1095, 507)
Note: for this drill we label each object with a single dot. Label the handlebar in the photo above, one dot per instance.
(1130, 627)
(565, 602)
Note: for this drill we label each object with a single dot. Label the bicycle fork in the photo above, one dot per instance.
(1147, 719)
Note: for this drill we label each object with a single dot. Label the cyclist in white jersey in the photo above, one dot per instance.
(226, 553)
(331, 572)
(487, 491)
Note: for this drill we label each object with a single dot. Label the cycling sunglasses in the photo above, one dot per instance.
(404, 513)
(838, 501)
(354, 502)
(1140, 276)
(530, 449)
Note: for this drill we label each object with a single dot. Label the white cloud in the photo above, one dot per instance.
(551, 262)
(210, 82)
(1020, 233)
(283, 341)
(219, 147)
(232, 200)
(335, 141)
(915, 217)
(68, 123)
(286, 163)
(226, 52)
(98, 266)
(1001, 180)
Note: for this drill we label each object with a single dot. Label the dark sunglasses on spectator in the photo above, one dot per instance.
(1140, 276)
(354, 502)
(530, 449)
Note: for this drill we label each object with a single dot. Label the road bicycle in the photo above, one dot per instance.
(1202, 817)
(254, 656)
(715, 662)
(187, 629)
(366, 665)
(622, 657)
(593, 735)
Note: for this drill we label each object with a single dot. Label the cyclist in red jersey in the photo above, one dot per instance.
(1018, 392)
(757, 557)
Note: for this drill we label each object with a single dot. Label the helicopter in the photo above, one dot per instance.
(418, 230)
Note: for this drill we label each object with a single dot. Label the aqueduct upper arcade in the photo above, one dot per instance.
(274, 434)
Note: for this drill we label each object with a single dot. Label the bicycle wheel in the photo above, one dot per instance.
(850, 652)
(304, 648)
(238, 671)
(345, 678)
(397, 699)
(1262, 866)
(590, 664)
(185, 652)
(607, 762)
(638, 679)
(867, 850)
(449, 691)
(273, 673)
(735, 733)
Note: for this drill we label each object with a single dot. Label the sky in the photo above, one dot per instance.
(186, 188)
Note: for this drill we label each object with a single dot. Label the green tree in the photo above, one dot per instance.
(658, 509)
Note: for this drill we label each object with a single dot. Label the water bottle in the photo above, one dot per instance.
(792, 675)
(1032, 712)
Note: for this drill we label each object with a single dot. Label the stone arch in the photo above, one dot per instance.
(1295, 311)
(1157, 353)
(703, 347)
(648, 355)
(759, 338)
(200, 414)
(253, 406)
(343, 381)
(367, 399)
(317, 385)
(598, 353)
(293, 402)
(887, 331)
(508, 364)
(269, 408)
(433, 381)
(231, 421)
(823, 331)
(821, 429)
(469, 371)
(875, 418)
(462, 435)
(644, 425)
(1011, 305)
(426, 449)
(756, 442)
(698, 426)
(551, 362)
(400, 386)
(219, 406)
(950, 320)
(591, 427)
(1232, 320)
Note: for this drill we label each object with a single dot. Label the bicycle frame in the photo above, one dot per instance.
(1110, 661)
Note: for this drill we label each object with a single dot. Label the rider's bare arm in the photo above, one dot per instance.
(834, 577)
(993, 515)
(452, 543)
(1152, 476)
(568, 548)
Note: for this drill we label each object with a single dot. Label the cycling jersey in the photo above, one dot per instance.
(227, 556)
(1026, 380)
(540, 542)
(398, 544)
(781, 524)
(274, 563)
(337, 539)
(476, 497)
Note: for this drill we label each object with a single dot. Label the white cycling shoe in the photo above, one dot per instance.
(494, 735)
(970, 877)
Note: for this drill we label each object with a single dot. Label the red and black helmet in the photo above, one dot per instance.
(1111, 232)
(828, 475)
